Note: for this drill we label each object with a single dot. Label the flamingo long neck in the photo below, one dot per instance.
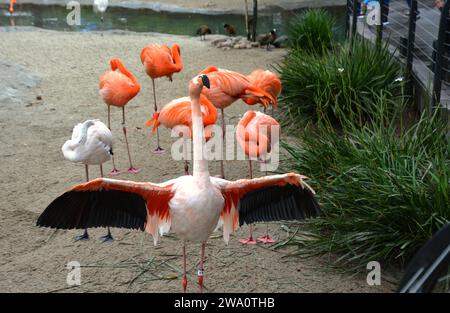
(200, 162)
(125, 72)
(178, 64)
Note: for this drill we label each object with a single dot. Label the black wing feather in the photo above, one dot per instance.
(100, 208)
(275, 203)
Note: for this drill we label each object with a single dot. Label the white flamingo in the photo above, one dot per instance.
(100, 6)
(91, 144)
(190, 205)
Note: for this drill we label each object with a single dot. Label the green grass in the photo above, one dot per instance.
(337, 85)
(312, 31)
(383, 188)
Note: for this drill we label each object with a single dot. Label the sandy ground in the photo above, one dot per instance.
(63, 69)
(200, 6)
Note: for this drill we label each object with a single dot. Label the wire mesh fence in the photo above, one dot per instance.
(418, 33)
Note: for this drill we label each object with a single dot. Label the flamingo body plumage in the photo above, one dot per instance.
(267, 81)
(160, 60)
(91, 143)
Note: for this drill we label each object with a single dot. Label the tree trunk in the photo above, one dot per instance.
(246, 20)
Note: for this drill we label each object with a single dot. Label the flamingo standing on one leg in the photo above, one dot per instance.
(179, 112)
(267, 81)
(191, 205)
(11, 6)
(254, 135)
(91, 144)
(160, 60)
(227, 87)
(117, 88)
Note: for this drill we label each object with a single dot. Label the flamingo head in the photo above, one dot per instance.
(177, 47)
(114, 63)
(197, 83)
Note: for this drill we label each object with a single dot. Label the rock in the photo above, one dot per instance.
(236, 46)
(248, 46)
(217, 41)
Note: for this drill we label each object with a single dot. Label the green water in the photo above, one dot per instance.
(145, 20)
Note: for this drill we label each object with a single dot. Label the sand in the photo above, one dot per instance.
(63, 69)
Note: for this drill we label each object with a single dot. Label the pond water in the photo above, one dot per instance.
(146, 20)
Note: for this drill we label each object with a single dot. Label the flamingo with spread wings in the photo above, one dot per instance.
(178, 112)
(117, 88)
(159, 61)
(190, 205)
(227, 87)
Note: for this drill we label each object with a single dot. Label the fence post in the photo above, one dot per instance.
(347, 19)
(380, 26)
(255, 19)
(410, 48)
(354, 21)
(442, 35)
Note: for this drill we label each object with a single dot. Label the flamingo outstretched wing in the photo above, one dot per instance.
(108, 202)
(265, 199)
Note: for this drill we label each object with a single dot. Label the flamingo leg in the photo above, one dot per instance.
(186, 162)
(114, 171)
(222, 173)
(184, 268)
(85, 235)
(108, 236)
(201, 269)
(266, 238)
(249, 240)
(131, 169)
(158, 149)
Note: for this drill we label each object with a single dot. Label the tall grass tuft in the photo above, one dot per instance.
(312, 31)
(383, 190)
(338, 85)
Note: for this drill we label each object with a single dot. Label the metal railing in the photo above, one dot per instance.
(417, 32)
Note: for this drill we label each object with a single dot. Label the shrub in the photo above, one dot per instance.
(337, 85)
(383, 190)
(312, 31)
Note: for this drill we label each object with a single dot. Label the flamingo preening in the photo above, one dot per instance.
(91, 144)
(190, 205)
(179, 112)
(160, 60)
(11, 6)
(100, 6)
(227, 87)
(254, 136)
(267, 81)
(117, 88)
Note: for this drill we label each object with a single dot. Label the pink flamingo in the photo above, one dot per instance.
(159, 61)
(227, 87)
(190, 205)
(254, 133)
(117, 88)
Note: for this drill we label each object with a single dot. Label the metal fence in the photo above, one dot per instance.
(417, 32)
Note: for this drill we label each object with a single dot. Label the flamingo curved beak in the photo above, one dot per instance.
(205, 81)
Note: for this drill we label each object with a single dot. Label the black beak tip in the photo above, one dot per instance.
(205, 81)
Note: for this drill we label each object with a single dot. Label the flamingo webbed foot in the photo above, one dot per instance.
(114, 172)
(133, 170)
(83, 237)
(248, 241)
(107, 238)
(159, 150)
(266, 239)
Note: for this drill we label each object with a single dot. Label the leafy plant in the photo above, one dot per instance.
(312, 31)
(337, 85)
(384, 190)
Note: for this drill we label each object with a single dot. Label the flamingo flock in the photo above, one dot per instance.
(192, 206)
